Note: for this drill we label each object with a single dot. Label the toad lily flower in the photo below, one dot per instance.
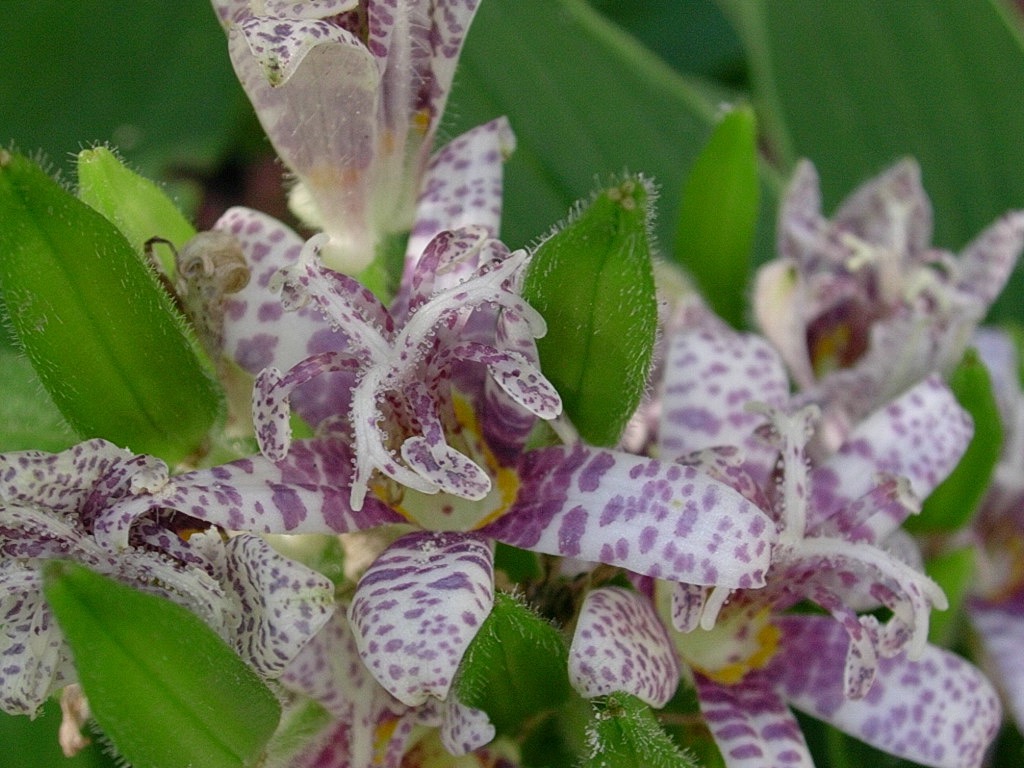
(861, 306)
(350, 93)
(724, 395)
(58, 506)
(441, 403)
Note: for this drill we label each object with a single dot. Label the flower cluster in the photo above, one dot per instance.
(405, 458)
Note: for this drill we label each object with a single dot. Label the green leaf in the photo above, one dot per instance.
(584, 99)
(154, 79)
(625, 734)
(594, 284)
(139, 208)
(101, 334)
(28, 418)
(854, 86)
(718, 218)
(953, 572)
(952, 504)
(163, 686)
(516, 667)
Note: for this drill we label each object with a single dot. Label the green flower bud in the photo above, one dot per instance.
(594, 285)
(718, 215)
(166, 690)
(91, 317)
(138, 207)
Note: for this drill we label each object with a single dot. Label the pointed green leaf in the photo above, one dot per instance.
(515, 668)
(594, 284)
(625, 734)
(951, 505)
(101, 334)
(139, 208)
(718, 216)
(584, 99)
(161, 684)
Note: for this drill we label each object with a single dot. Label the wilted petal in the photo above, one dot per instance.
(282, 603)
(417, 608)
(752, 725)
(939, 710)
(620, 645)
(654, 518)
(33, 656)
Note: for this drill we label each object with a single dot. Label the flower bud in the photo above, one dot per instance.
(718, 215)
(594, 285)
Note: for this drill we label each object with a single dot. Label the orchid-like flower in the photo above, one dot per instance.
(434, 441)
(996, 609)
(725, 400)
(862, 306)
(350, 93)
(57, 506)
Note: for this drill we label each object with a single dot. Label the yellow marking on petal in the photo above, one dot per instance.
(421, 121)
(830, 350)
(382, 736)
(768, 642)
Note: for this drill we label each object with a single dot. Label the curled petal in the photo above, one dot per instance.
(446, 468)
(464, 729)
(620, 645)
(417, 608)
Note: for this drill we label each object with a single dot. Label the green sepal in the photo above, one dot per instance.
(593, 283)
(952, 504)
(166, 690)
(623, 733)
(102, 335)
(516, 667)
(718, 215)
(383, 275)
(137, 206)
(953, 571)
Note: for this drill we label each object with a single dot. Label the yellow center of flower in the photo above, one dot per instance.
(743, 639)
(444, 511)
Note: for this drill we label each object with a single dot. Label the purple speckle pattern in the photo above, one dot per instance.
(417, 608)
(350, 98)
(620, 645)
(96, 504)
(937, 710)
(861, 306)
(1000, 628)
(752, 725)
(655, 518)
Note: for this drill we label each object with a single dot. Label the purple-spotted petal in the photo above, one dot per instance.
(1000, 628)
(752, 725)
(711, 376)
(986, 263)
(306, 492)
(654, 518)
(282, 604)
(939, 710)
(464, 729)
(418, 607)
(920, 436)
(620, 645)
